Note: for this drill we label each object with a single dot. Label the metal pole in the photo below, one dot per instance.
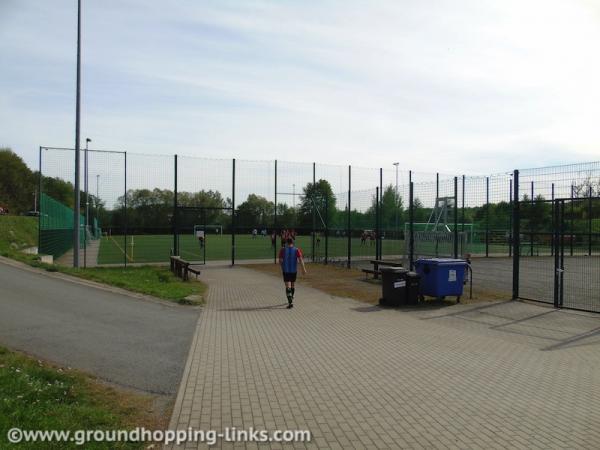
(590, 223)
(349, 217)
(97, 197)
(326, 228)
(437, 188)
(487, 217)
(314, 217)
(562, 253)
(555, 246)
(510, 218)
(275, 218)
(455, 217)
(87, 201)
(463, 204)
(125, 209)
(379, 241)
(40, 203)
(411, 221)
(175, 211)
(571, 221)
(377, 203)
(463, 241)
(516, 234)
(233, 214)
(553, 218)
(76, 201)
(531, 222)
(396, 202)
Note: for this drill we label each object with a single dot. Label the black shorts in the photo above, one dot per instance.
(289, 276)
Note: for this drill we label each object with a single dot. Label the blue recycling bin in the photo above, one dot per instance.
(441, 277)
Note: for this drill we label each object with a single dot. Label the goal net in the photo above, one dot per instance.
(203, 230)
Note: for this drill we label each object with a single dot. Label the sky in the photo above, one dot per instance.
(472, 87)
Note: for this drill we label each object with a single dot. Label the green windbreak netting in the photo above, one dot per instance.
(56, 227)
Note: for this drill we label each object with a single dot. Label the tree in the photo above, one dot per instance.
(391, 208)
(256, 211)
(315, 198)
(584, 188)
(17, 184)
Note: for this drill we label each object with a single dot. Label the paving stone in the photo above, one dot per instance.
(497, 375)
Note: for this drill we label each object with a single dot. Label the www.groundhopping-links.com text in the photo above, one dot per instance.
(209, 437)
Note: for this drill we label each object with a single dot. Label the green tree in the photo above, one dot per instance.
(314, 199)
(256, 211)
(392, 207)
(17, 184)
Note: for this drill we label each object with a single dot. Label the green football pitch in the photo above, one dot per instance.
(157, 248)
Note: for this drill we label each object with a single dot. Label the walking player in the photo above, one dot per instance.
(288, 259)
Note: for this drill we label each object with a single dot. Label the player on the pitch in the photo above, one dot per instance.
(288, 259)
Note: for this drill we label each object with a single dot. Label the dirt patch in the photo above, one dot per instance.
(352, 283)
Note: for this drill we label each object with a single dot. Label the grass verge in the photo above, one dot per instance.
(37, 396)
(351, 283)
(150, 280)
(17, 232)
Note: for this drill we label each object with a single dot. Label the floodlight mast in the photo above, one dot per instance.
(76, 225)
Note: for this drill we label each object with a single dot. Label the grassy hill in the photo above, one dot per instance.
(17, 232)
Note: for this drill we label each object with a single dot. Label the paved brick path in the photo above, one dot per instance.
(507, 375)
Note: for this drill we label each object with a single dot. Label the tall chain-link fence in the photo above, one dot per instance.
(517, 229)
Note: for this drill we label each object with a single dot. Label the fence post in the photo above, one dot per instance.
(326, 228)
(553, 217)
(510, 219)
(125, 202)
(411, 222)
(437, 188)
(380, 220)
(590, 222)
(455, 217)
(463, 204)
(349, 262)
(487, 217)
(464, 238)
(40, 203)
(377, 231)
(314, 218)
(562, 254)
(175, 214)
(555, 247)
(87, 202)
(531, 221)
(233, 214)
(275, 218)
(516, 234)
(571, 221)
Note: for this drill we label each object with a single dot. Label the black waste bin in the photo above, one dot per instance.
(393, 284)
(412, 288)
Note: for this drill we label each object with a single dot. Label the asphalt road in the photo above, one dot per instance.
(132, 342)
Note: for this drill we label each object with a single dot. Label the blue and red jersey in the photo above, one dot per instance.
(289, 259)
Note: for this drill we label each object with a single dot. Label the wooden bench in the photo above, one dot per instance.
(381, 262)
(182, 268)
(375, 273)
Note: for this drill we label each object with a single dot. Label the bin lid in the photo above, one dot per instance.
(440, 261)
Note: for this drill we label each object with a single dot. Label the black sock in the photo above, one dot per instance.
(293, 292)
(288, 294)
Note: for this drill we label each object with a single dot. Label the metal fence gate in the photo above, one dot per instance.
(559, 252)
